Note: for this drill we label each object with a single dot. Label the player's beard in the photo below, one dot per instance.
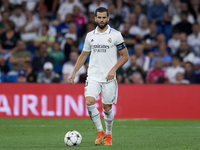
(102, 26)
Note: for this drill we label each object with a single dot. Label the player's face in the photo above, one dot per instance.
(101, 19)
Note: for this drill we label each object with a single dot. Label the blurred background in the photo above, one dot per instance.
(40, 40)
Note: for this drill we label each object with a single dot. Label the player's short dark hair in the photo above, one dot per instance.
(101, 9)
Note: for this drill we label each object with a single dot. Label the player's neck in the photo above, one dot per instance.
(102, 30)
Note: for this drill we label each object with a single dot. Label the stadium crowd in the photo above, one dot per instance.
(40, 40)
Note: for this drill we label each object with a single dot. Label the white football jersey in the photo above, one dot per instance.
(103, 48)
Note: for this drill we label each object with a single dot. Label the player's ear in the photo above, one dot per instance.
(108, 18)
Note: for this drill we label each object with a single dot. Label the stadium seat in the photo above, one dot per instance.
(11, 78)
(30, 48)
(2, 75)
(58, 68)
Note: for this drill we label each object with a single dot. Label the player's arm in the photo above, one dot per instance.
(124, 58)
(81, 60)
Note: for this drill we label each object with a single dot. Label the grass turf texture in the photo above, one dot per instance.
(48, 134)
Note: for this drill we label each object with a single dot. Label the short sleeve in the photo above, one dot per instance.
(86, 46)
(119, 39)
(120, 42)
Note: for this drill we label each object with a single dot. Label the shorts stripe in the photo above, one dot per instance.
(115, 91)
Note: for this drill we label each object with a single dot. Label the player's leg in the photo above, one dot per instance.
(93, 112)
(108, 118)
(92, 90)
(109, 96)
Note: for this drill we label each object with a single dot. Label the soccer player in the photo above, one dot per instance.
(103, 43)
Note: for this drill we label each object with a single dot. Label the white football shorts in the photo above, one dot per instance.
(108, 90)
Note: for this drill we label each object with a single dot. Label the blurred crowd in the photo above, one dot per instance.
(40, 40)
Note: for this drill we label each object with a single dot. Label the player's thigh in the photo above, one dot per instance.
(109, 92)
(92, 90)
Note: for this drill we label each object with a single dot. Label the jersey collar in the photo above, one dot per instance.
(106, 32)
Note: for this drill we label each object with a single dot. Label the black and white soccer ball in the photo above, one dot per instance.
(73, 138)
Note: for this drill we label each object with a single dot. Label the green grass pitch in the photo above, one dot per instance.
(48, 134)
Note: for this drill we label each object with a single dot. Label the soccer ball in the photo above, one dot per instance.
(73, 138)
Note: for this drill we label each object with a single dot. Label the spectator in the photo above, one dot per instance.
(56, 80)
(30, 28)
(137, 78)
(95, 4)
(51, 30)
(144, 29)
(185, 53)
(63, 28)
(83, 76)
(149, 40)
(139, 15)
(30, 5)
(133, 68)
(174, 8)
(73, 31)
(193, 39)
(184, 25)
(177, 18)
(57, 54)
(30, 75)
(70, 40)
(163, 55)
(115, 18)
(122, 10)
(156, 74)
(18, 58)
(161, 39)
(174, 42)
(174, 69)
(129, 39)
(9, 39)
(69, 66)
(91, 20)
(156, 12)
(18, 17)
(5, 19)
(44, 37)
(48, 74)
(67, 7)
(21, 77)
(77, 17)
(134, 29)
(142, 60)
(52, 6)
(179, 79)
(189, 73)
(43, 57)
(3, 65)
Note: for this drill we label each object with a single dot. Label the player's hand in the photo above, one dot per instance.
(110, 75)
(71, 78)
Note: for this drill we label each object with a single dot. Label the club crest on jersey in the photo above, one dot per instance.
(109, 40)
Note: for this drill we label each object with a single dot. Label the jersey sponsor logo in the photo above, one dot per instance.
(100, 48)
(109, 40)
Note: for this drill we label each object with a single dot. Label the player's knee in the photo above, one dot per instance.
(90, 101)
(107, 108)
